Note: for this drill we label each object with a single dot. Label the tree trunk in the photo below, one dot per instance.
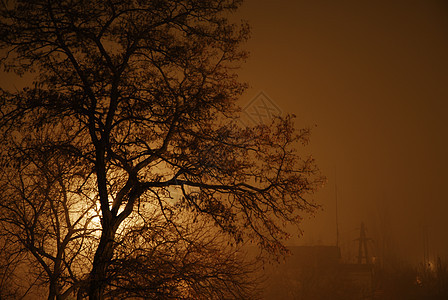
(101, 261)
(53, 290)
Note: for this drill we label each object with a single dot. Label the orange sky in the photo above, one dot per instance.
(373, 77)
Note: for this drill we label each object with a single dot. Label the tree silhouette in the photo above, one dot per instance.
(140, 97)
(46, 216)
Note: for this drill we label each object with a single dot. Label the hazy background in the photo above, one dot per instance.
(373, 77)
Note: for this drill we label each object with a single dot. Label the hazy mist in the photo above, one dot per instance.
(371, 76)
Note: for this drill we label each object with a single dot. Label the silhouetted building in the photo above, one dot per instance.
(316, 272)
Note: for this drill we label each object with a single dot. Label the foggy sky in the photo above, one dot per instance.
(373, 77)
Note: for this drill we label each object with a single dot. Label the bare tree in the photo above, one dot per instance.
(49, 227)
(45, 219)
(142, 95)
